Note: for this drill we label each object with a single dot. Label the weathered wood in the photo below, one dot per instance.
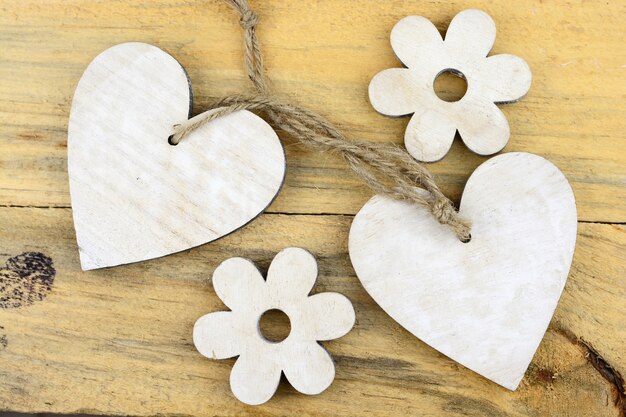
(572, 114)
(485, 303)
(118, 341)
(137, 197)
(225, 334)
(501, 78)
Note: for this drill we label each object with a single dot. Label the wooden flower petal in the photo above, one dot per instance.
(414, 40)
(483, 127)
(292, 273)
(310, 369)
(397, 91)
(254, 378)
(215, 335)
(507, 78)
(331, 315)
(237, 281)
(471, 32)
(429, 135)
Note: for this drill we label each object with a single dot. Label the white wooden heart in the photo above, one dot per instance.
(487, 303)
(135, 196)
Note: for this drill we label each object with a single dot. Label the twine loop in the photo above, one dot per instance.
(385, 168)
(248, 20)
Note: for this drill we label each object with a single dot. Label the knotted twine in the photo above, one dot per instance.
(385, 168)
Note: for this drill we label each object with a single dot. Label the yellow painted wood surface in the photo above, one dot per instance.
(118, 341)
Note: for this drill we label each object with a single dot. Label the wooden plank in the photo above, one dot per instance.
(321, 54)
(119, 341)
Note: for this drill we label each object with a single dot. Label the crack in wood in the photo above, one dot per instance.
(602, 366)
(607, 372)
(283, 213)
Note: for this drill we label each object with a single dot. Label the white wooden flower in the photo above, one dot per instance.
(324, 316)
(495, 79)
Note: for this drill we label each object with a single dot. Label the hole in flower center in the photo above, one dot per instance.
(274, 325)
(450, 85)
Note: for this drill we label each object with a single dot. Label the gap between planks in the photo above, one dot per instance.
(285, 213)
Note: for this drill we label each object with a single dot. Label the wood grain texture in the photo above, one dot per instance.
(485, 303)
(119, 341)
(501, 78)
(225, 334)
(321, 54)
(135, 196)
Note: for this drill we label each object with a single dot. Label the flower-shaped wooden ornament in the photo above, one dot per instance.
(324, 316)
(496, 79)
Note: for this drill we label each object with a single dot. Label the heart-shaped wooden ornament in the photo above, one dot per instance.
(488, 302)
(135, 196)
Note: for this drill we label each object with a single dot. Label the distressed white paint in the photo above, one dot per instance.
(134, 196)
(323, 316)
(487, 303)
(495, 79)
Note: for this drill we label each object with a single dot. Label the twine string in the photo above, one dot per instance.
(385, 168)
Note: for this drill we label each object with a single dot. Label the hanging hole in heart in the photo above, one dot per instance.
(274, 325)
(450, 85)
(467, 239)
(169, 140)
